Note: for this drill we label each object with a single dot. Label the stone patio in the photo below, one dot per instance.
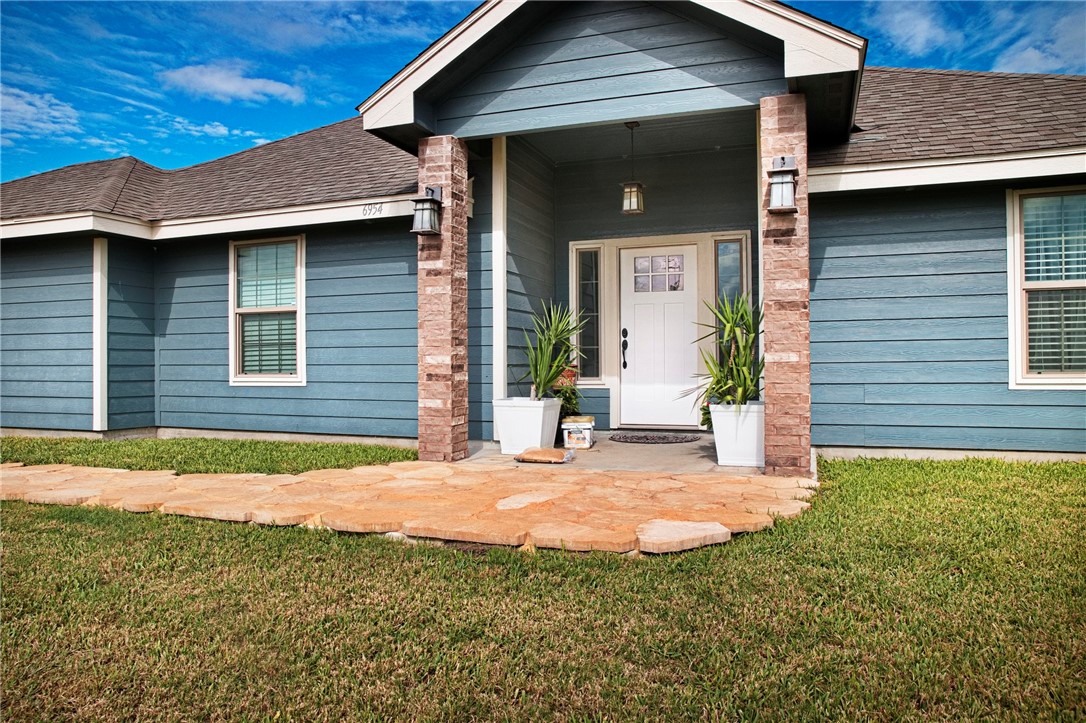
(556, 506)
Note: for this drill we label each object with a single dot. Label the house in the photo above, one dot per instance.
(922, 268)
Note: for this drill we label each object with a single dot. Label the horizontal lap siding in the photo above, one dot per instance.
(530, 231)
(909, 328)
(480, 285)
(362, 338)
(602, 61)
(131, 331)
(45, 334)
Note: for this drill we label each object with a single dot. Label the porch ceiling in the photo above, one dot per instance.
(655, 137)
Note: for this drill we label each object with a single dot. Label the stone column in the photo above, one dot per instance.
(443, 305)
(785, 247)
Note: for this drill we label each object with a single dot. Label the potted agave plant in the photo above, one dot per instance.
(730, 404)
(526, 422)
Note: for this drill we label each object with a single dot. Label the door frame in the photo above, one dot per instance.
(610, 301)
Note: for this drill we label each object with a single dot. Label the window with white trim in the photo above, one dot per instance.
(267, 325)
(1048, 290)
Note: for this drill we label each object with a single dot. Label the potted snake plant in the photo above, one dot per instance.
(525, 422)
(729, 402)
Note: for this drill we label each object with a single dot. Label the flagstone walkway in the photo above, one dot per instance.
(529, 506)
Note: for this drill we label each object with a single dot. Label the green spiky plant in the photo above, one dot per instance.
(734, 368)
(553, 351)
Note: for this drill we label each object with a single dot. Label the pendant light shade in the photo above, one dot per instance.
(633, 193)
(633, 198)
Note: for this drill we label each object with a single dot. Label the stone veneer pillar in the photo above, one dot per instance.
(785, 247)
(443, 305)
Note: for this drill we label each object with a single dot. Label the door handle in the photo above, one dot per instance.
(625, 346)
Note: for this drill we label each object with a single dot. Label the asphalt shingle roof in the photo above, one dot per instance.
(338, 162)
(904, 114)
(908, 114)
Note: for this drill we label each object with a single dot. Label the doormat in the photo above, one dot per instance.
(654, 437)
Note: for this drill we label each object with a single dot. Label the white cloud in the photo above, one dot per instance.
(915, 28)
(226, 81)
(213, 129)
(1051, 41)
(35, 114)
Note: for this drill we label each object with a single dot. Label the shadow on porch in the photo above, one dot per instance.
(685, 458)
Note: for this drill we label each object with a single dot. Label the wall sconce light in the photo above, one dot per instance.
(782, 185)
(633, 193)
(427, 220)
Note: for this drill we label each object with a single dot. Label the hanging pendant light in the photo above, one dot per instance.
(633, 193)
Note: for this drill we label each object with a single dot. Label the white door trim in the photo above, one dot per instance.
(610, 301)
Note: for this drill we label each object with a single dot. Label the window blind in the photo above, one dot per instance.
(1054, 228)
(265, 275)
(268, 343)
(1057, 330)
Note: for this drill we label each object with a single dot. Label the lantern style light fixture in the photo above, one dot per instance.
(427, 220)
(782, 185)
(633, 193)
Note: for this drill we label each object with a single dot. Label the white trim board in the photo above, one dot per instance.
(99, 222)
(99, 335)
(393, 103)
(1053, 162)
(811, 46)
(498, 274)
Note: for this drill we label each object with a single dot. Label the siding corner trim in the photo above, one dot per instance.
(99, 329)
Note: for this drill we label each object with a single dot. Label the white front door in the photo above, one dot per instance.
(657, 326)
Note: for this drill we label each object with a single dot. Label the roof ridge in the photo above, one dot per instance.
(269, 144)
(124, 184)
(983, 73)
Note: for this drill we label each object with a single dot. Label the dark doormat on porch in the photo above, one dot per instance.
(654, 437)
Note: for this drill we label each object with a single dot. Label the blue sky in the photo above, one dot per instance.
(177, 83)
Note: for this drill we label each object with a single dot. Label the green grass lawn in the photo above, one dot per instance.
(911, 590)
(199, 455)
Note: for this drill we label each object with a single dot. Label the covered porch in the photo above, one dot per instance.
(531, 118)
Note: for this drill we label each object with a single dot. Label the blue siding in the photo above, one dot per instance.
(531, 260)
(131, 333)
(604, 61)
(362, 338)
(45, 334)
(688, 193)
(597, 402)
(909, 328)
(480, 286)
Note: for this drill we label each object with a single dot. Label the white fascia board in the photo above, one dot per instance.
(387, 106)
(811, 47)
(368, 209)
(1054, 162)
(96, 222)
(83, 222)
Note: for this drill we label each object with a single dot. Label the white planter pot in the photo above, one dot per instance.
(523, 423)
(739, 433)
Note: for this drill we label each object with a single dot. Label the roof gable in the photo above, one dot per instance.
(596, 62)
(402, 109)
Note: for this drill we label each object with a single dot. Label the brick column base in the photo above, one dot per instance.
(443, 306)
(785, 247)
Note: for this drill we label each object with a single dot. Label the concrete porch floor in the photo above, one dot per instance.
(590, 504)
(692, 457)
